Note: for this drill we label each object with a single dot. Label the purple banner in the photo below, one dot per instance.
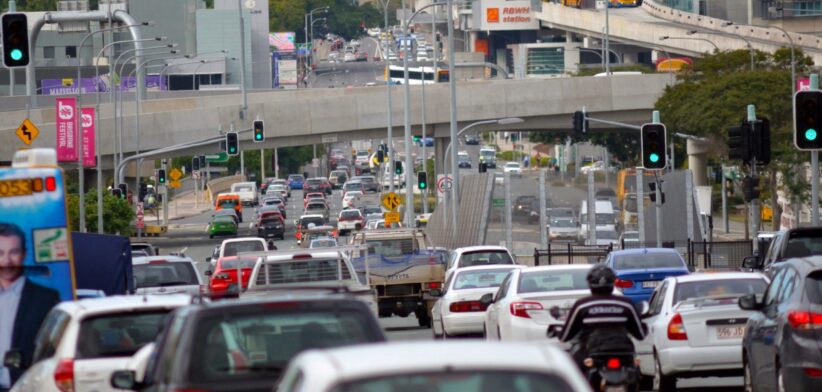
(92, 85)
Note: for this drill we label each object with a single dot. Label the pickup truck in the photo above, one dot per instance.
(402, 267)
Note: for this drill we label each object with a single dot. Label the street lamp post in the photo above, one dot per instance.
(452, 86)
(747, 42)
(310, 15)
(390, 127)
(667, 37)
(790, 42)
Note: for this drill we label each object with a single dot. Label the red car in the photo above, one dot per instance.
(309, 195)
(224, 277)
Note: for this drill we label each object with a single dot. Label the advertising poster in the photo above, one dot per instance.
(88, 122)
(66, 125)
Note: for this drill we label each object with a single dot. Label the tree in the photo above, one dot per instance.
(713, 94)
(117, 213)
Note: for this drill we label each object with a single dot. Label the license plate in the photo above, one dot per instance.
(650, 284)
(730, 332)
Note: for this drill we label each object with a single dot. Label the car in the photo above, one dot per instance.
(372, 209)
(306, 221)
(229, 201)
(534, 208)
(352, 185)
(781, 346)
(513, 168)
(608, 236)
(222, 225)
(337, 178)
(433, 366)
(223, 279)
(349, 220)
(563, 229)
(227, 212)
(472, 140)
(349, 57)
(316, 208)
(247, 191)
(522, 204)
(561, 212)
(235, 246)
(166, 275)
(799, 242)
(604, 216)
(323, 242)
(278, 208)
(471, 256)
(463, 161)
(318, 184)
(640, 271)
(458, 311)
(280, 190)
(695, 326)
(369, 183)
(271, 224)
(81, 343)
(284, 183)
(519, 309)
(315, 194)
(499, 178)
(274, 202)
(629, 239)
(295, 181)
(361, 56)
(245, 345)
(362, 158)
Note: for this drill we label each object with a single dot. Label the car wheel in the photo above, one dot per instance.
(661, 381)
(748, 375)
(424, 320)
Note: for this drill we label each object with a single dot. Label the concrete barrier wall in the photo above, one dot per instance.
(222, 185)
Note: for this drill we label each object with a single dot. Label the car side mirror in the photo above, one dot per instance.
(487, 299)
(749, 302)
(123, 379)
(208, 273)
(208, 259)
(435, 292)
(691, 269)
(13, 359)
(751, 262)
(644, 307)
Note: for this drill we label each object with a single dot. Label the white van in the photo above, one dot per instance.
(604, 215)
(247, 191)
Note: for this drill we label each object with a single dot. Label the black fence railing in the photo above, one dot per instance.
(571, 254)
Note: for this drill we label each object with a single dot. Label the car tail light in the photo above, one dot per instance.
(301, 256)
(613, 363)
(813, 372)
(520, 309)
(158, 262)
(623, 284)
(64, 375)
(676, 329)
(221, 276)
(467, 306)
(803, 320)
(434, 285)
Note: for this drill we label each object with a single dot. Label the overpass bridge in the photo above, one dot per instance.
(307, 116)
(644, 26)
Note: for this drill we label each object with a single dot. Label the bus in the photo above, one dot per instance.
(627, 198)
(395, 74)
(623, 3)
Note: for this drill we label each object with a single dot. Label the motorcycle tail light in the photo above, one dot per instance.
(613, 363)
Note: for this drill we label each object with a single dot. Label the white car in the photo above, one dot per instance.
(350, 199)
(459, 311)
(82, 342)
(607, 237)
(514, 168)
(519, 309)
(499, 178)
(695, 326)
(560, 229)
(471, 256)
(349, 57)
(166, 275)
(434, 366)
(247, 191)
(235, 246)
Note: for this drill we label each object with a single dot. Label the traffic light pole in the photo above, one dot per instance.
(658, 203)
(725, 202)
(755, 216)
(814, 85)
(165, 196)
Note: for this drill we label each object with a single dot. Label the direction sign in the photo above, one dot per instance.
(391, 201)
(27, 131)
(174, 184)
(392, 217)
(498, 202)
(175, 174)
(221, 156)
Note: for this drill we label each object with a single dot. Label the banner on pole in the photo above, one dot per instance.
(89, 123)
(66, 125)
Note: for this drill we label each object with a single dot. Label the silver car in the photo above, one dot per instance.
(166, 275)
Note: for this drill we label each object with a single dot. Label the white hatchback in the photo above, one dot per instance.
(513, 168)
(82, 342)
(166, 275)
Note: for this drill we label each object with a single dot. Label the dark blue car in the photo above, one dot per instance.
(640, 271)
(295, 181)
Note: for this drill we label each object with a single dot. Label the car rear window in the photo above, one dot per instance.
(485, 257)
(301, 271)
(650, 260)
(227, 203)
(313, 182)
(238, 263)
(553, 280)
(479, 380)
(162, 274)
(314, 206)
(353, 185)
(256, 343)
(718, 288)
(118, 335)
(350, 214)
(390, 247)
(480, 279)
(316, 221)
(295, 178)
(235, 248)
(814, 285)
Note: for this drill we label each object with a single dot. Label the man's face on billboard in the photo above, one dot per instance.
(11, 259)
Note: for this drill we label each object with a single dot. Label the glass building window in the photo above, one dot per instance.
(71, 52)
(48, 52)
(546, 61)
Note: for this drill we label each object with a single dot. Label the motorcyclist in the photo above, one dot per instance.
(601, 322)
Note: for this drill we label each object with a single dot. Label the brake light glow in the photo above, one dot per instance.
(676, 328)
(301, 256)
(613, 363)
(804, 321)
(520, 309)
(158, 262)
(434, 285)
(64, 375)
(467, 306)
(813, 372)
(623, 284)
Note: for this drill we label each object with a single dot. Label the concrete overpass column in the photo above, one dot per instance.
(697, 161)
(440, 145)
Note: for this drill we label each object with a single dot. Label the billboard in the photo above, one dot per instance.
(497, 15)
(283, 41)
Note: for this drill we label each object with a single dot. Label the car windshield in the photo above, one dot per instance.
(512, 165)
(563, 223)
(485, 257)
(368, 179)
(227, 203)
(118, 335)
(463, 158)
(602, 219)
(244, 188)
(161, 274)
(295, 178)
(648, 260)
(326, 243)
(480, 279)
(257, 342)
(223, 219)
(235, 248)
(804, 243)
(553, 280)
(562, 213)
(462, 381)
(315, 206)
(308, 221)
(235, 263)
(272, 218)
(303, 270)
(719, 288)
(313, 181)
(390, 247)
(353, 185)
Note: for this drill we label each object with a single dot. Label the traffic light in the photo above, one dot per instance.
(653, 146)
(123, 187)
(760, 141)
(195, 163)
(380, 156)
(232, 143)
(652, 194)
(202, 161)
(398, 167)
(161, 176)
(15, 40)
(739, 142)
(483, 167)
(750, 188)
(116, 192)
(259, 131)
(422, 180)
(580, 123)
(417, 138)
(807, 117)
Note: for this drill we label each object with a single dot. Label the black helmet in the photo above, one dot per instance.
(601, 277)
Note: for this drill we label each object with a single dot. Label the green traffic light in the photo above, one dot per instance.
(259, 136)
(16, 54)
(810, 134)
(654, 158)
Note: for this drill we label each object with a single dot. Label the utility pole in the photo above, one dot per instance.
(452, 84)
(242, 61)
(640, 206)
(591, 214)
(755, 202)
(509, 235)
(655, 119)
(724, 201)
(814, 168)
(165, 194)
(543, 229)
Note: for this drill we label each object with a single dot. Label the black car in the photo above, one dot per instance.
(245, 345)
(799, 242)
(271, 227)
(464, 162)
(472, 140)
(522, 205)
(782, 344)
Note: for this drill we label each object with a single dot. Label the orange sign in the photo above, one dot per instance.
(492, 15)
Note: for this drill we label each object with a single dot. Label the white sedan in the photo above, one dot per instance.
(470, 256)
(519, 309)
(351, 198)
(432, 366)
(458, 311)
(695, 326)
(514, 168)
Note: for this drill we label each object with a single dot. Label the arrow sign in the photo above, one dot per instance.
(391, 201)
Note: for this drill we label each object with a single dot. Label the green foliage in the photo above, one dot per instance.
(117, 213)
(344, 18)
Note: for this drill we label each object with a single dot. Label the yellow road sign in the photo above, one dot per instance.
(391, 201)
(175, 174)
(392, 217)
(27, 131)
(174, 184)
